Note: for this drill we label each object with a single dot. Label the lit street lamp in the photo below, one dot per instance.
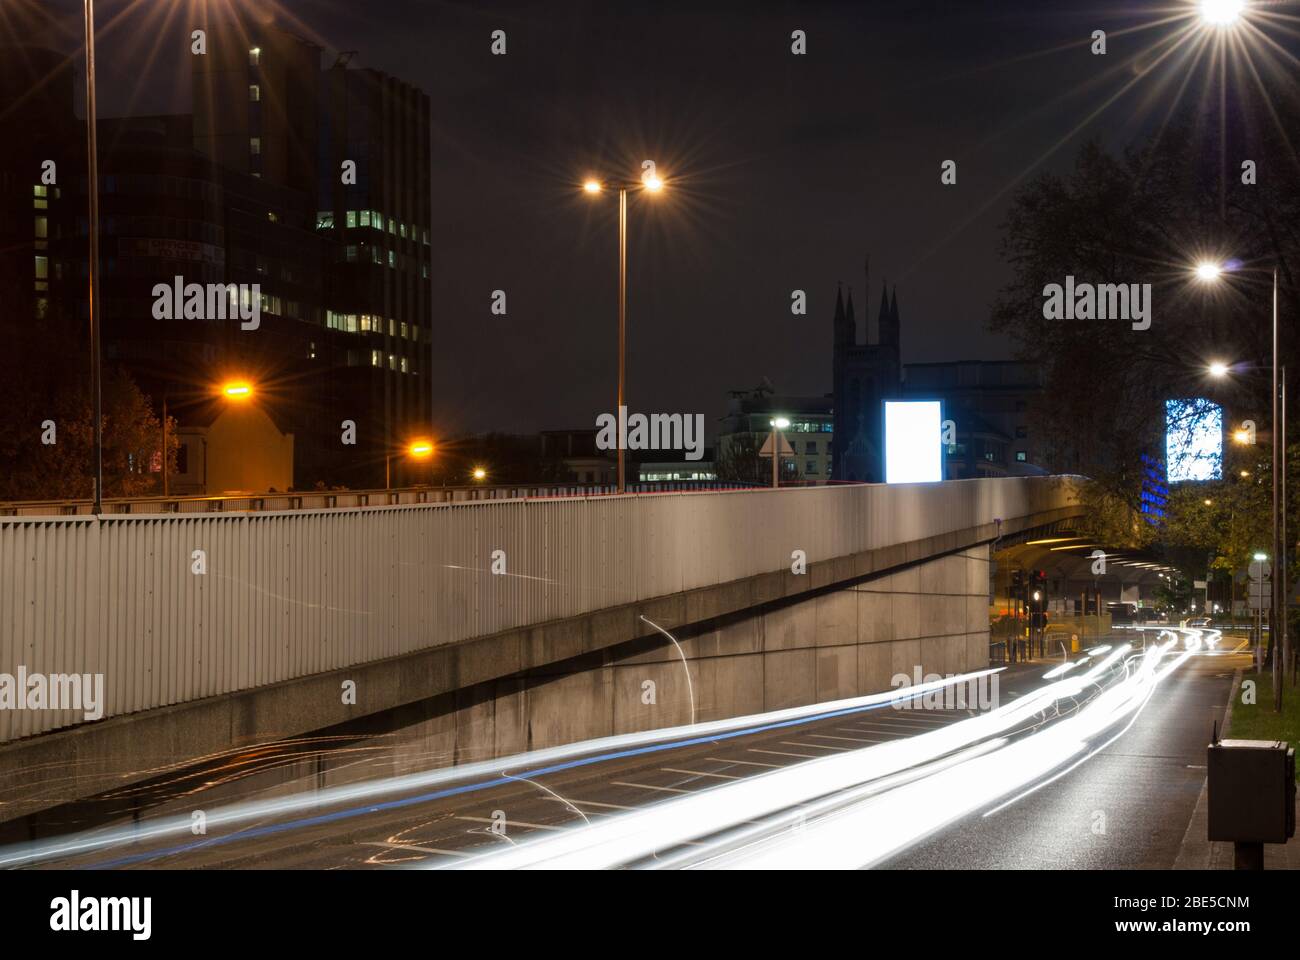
(779, 424)
(1277, 616)
(418, 450)
(653, 184)
(233, 391)
(1221, 13)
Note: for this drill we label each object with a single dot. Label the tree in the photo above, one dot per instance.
(45, 396)
(1144, 217)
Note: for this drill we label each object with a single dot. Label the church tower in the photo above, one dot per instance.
(864, 375)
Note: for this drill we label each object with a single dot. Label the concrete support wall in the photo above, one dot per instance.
(843, 643)
(765, 642)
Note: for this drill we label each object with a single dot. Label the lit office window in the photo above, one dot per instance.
(392, 362)
(254, 92)
(352, 253)
(255, 146)
(401, 228)
(364, 219)
(42, 228)
(392, 259)
(376, 358)
(392, 225)
(406, 367)
(403, 329)
(255, 56)
(42, 268)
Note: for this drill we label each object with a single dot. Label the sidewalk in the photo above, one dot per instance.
(1198, 853)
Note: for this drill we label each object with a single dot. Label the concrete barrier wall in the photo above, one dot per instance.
(288, 595)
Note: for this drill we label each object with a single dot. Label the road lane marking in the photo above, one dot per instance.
(811, 746)
(779, 753)
(597, 803)
(411, 846)
(647, 786)
(701, 773)
(831, 736)
(749, 763)
(511, 823)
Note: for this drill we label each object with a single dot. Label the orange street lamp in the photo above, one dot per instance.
(234, 390)
(479, 474)
(237, 390)
(419, 450)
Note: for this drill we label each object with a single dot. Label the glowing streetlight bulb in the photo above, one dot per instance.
(593, 186)
(420, 450)
(1208, 272)
(780, 423)
(652, 183)
(480, 473)
(1221, 13)
(1218, 369)
(237, 390)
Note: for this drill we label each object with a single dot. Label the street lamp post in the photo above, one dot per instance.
(1278, 597)
(92, 153)
(778, 424)
(652, 183)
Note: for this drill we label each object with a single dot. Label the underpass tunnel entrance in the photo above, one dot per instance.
(1054, 590)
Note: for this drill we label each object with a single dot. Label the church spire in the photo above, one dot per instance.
(889, 325)
(843, 324)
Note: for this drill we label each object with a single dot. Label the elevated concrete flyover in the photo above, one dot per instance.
(539, 619)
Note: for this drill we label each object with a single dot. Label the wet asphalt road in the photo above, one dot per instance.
(1127, 806)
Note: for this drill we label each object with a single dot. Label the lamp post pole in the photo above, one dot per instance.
(1278, 613)
(622, 325)
(93, 183)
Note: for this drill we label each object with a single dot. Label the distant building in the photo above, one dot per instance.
(580, 460)
(864, 375)
(231, 449)
(248, 189)
(747, 426)
(988, 402)
(703, 470)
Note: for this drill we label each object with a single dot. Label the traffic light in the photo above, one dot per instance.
(1017, 583)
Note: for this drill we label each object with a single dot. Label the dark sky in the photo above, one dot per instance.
(784, 172)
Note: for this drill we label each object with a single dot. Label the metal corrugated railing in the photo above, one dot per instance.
(288, 594)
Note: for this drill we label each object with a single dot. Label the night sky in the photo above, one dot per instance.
(784, 172)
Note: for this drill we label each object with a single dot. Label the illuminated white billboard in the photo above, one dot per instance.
(1193, 440)
(913, 447)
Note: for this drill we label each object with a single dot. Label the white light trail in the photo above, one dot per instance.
(181, 825)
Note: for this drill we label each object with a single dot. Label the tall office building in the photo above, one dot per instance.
(373, 200)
